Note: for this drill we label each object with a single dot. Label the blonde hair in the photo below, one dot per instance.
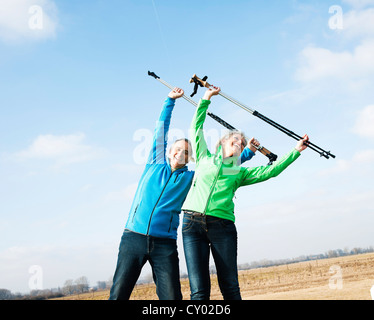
(228, 135)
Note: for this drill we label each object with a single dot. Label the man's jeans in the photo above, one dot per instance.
(134, 251)
(200, 235)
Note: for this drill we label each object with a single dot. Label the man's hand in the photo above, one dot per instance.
(176, 93)
(252, 144)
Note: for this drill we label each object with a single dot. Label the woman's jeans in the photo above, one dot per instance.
(134, 251)
(200, 235)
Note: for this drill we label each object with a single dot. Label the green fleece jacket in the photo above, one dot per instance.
(216, 179)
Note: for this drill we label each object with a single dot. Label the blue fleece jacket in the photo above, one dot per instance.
(160, 194)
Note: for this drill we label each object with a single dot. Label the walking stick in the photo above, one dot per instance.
(203, 83)
(272, 157)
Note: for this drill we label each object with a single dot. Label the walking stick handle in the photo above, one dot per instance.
(201, 82)
(193, 77)
(264, 151)
(272, 157)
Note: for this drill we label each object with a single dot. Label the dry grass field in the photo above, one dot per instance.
(343, 278)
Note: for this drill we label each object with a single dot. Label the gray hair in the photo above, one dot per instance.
(190, 150)
(228, 135)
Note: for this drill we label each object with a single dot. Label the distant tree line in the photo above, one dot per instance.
(329, 254)
(6, 294)
(70, 287)
(81, 284)
(75, 287)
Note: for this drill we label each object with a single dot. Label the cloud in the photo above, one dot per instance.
(358, 161)
(358, 23)
(57, 263)
(365, 156)
(359, 3)
(362, 158)
(364, 125)
(63, 150)
(353, 67)
(27, 20)
(320, 63)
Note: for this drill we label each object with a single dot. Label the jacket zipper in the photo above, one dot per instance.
(176, 177)
(133, 216)
(150, 219)
(171, 220)
(213, 185)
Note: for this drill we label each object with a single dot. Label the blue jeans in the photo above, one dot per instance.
(202, 234)
(134, 251)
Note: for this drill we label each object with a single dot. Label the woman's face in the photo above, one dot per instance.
(233, 146)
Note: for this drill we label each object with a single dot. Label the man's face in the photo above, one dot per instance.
(179, 154)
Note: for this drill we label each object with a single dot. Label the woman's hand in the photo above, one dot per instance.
(176, 93)
(213, 91)
(302, 144)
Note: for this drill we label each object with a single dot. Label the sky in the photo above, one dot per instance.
(78, 111)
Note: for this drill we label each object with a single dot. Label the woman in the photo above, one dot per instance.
(208, 222)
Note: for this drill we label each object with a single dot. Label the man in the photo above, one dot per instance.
(151, 229)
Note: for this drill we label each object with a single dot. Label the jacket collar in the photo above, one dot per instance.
(184, 168)
(226, 161)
